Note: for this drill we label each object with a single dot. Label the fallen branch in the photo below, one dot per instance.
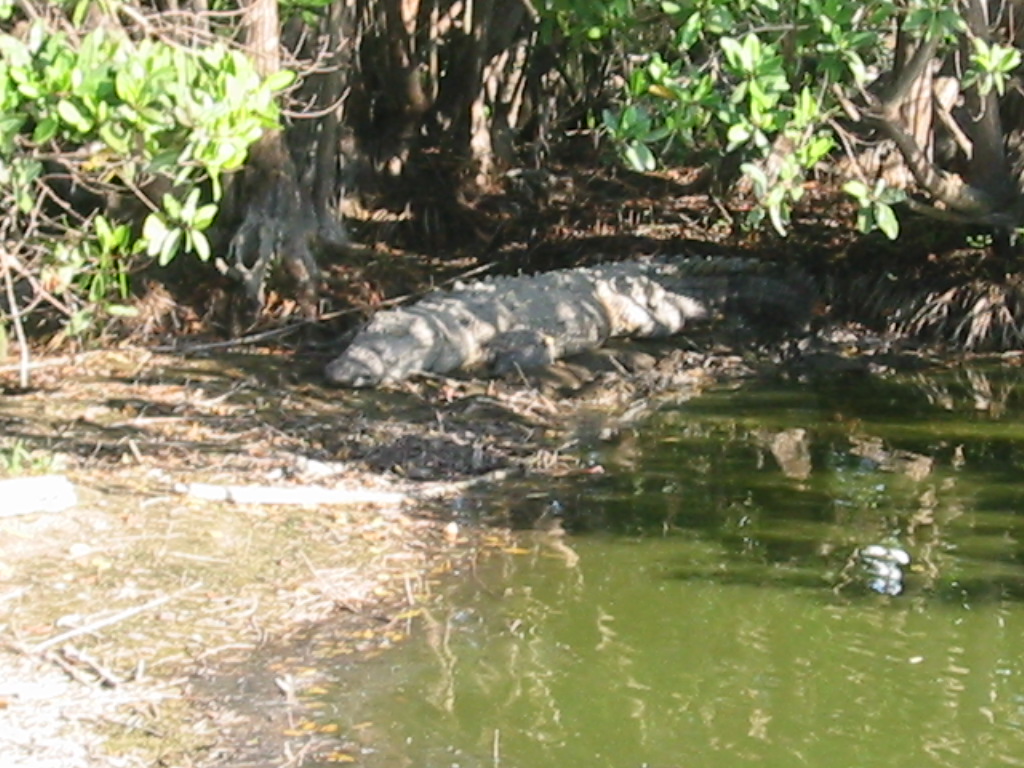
(315, 494)
(178, 347)
(71, 659)
(118, 617)
(306, 494)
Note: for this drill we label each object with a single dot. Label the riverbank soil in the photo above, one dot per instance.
(161, 621)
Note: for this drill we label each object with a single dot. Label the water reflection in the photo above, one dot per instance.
(714, 604)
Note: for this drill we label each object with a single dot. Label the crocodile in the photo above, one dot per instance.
(532, 320)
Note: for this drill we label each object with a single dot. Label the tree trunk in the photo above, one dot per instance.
(317, 138)
(988, 166)
(279, 222)
(435, 106)
(411, 106)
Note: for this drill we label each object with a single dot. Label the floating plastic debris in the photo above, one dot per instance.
(884, 568)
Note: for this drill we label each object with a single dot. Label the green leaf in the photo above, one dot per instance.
(204, 216)
(24, 199)
(640, 157)
(857, 188)
(45, 130)
(168, 159)
(885, 218)
(656, 135)
(236, 160)
(104, 233)
(279, 80)
(631, 117)
(718, 19)
(657, 68)
(121, 310)
(778, 218)
(200, 245)
(10, 126)
(817, 150)
(29, 90)
(172, 206)
(80, 12)
(690, 32)
(751, 52)
(758, 178)
(14, 51)
(733, 51)
(80, 322)
(216, 189)
(737, 135)
(115, 136)
(73, 116)
(169, 247)
(188, 209)
(154, 232)
(129, 82)
(857, 67)
(892, 195)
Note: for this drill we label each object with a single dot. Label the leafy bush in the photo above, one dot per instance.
(782, 85)
(112, 149)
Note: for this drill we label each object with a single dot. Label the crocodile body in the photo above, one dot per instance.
(533, 320)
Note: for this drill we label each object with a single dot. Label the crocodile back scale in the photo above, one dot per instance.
(533, 320)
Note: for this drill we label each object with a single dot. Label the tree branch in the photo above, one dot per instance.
(907, 76)
(947, 188)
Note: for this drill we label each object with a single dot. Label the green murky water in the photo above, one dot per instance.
(709, 606)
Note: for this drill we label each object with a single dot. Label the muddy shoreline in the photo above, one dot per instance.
(148, 626)
(242, 605)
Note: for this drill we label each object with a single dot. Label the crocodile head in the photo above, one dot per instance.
(357, 368)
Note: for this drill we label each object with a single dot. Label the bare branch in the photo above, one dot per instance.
(15, 314)
(946, 93)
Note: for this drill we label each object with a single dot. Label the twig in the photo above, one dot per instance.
(286, 685)
(19, 329)
(78, 657)
(327, 588)
(101, 623)
(68, 668)
(240, 341)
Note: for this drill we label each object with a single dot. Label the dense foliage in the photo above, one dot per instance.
(782, 85)
(112, 146)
